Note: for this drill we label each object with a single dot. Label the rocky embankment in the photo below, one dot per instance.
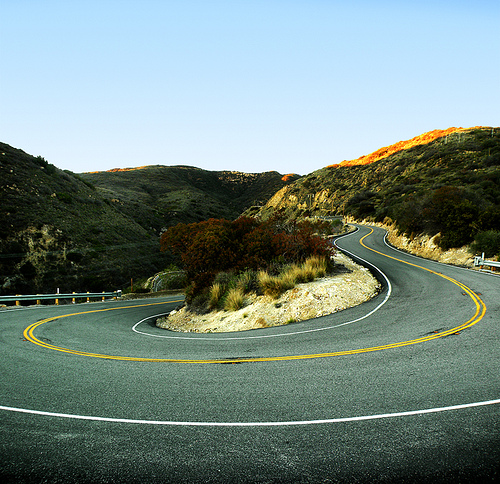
(426, 246)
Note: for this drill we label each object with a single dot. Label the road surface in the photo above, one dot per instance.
(403, 388)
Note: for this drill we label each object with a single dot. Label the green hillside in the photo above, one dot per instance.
(157, 197)
(57, 232)
(449, 186)
(95, 231)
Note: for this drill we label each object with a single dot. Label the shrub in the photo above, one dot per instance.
(247, 281)
(234, 299)
(224, 279)
(64, 197)
(487, 242)
(216, 292)
(174, 281)
(214, 246)
(199, 303)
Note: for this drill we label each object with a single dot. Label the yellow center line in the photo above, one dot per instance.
(478, 315)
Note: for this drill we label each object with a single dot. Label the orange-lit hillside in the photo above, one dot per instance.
(120, 169)
(401, 145)
(288, 177)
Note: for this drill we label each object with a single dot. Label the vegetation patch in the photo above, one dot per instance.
(349, 284)
(224, 260)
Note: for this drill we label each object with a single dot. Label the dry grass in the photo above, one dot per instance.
(229, 292)
(269, 285)
(274, 286)
(216, 292)
(318, 265)
(234, 300)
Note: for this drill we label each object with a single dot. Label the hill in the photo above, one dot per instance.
(442, 182)
(157, 197)
(94, 232)
(402, 145)
(57, 232)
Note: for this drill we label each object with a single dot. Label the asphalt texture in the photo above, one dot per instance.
(403, 388)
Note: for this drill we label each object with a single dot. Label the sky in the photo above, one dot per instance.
(252, 86)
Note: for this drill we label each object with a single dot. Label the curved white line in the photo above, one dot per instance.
(252, 424)
(292, 333)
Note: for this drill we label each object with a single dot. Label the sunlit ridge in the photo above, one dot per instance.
(401, 145)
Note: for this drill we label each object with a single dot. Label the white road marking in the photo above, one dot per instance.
(253, 424)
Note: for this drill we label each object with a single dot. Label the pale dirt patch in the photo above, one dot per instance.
(327, 295)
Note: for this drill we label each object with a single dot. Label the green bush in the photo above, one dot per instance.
(64, 197)
(175, 280)
(247, 281)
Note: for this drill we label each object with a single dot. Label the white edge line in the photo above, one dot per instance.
(293, 333)
(253, 424)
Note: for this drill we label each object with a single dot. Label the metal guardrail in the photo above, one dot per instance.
(480, 262)
(74, 295)
(158, 279)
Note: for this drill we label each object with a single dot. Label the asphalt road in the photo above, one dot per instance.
(403, 388)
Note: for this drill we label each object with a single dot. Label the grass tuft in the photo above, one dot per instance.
(269, 285)
(216, 292)
(274, 286)
(234, 300)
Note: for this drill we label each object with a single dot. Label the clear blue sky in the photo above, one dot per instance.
(285, 85)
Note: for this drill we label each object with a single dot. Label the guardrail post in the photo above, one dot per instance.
(38, 301)
(88, 299)
(18, 303)
(103, 298)
(74, 299)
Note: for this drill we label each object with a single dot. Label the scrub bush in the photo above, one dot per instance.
(235, 299)
(217, 246)
(487, 242)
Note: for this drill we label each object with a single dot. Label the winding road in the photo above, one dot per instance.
(403, 388)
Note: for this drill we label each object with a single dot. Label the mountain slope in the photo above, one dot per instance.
(448, 185)
(57, 232)
(403, 145)
(93, 232)
(160, 196)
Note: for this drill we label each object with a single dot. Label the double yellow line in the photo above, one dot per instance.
(478, 315)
